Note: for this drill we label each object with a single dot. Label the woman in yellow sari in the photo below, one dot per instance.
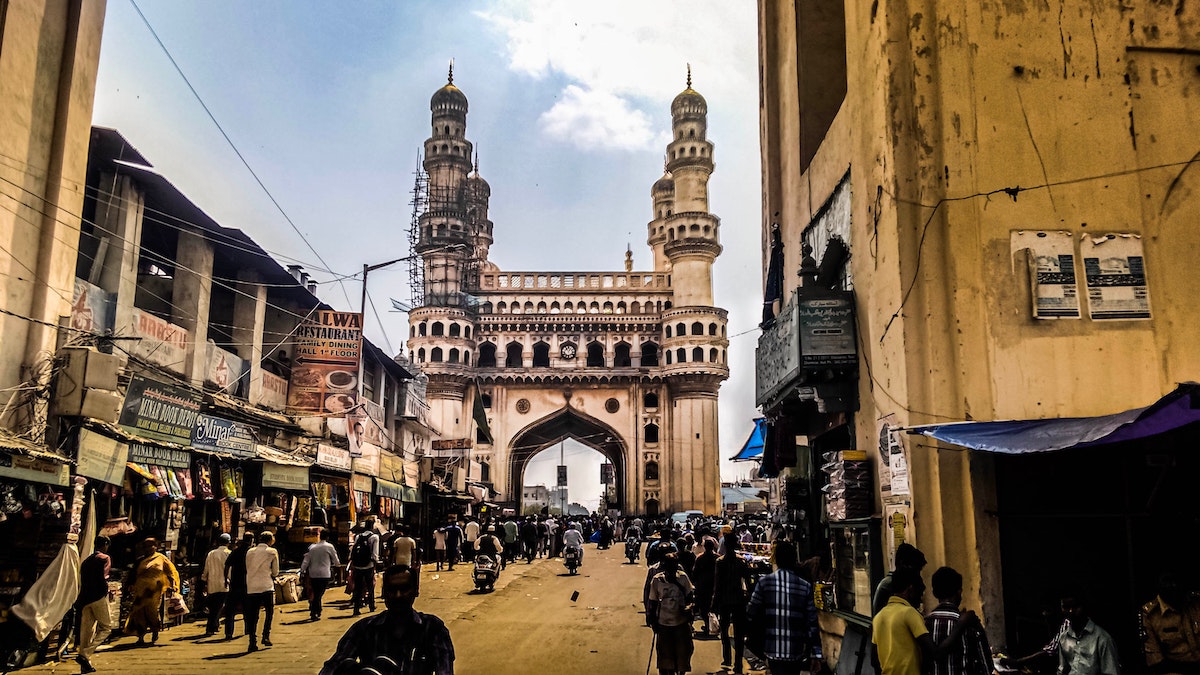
(153, 577)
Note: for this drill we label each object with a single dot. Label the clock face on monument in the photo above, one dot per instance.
(568, 351)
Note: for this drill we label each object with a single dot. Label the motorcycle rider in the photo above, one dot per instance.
(488, 544)
(572, 537)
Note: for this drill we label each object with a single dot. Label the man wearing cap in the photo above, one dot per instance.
(213, 577)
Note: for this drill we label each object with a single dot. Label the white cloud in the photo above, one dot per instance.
(592, 119)
(625, 56)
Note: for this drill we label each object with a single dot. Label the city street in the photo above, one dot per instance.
(529, 624)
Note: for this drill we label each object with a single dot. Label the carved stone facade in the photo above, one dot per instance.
(628, 363)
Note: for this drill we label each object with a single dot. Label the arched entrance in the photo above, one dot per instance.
(564, 424)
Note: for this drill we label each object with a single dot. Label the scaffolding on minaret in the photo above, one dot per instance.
(416, 266)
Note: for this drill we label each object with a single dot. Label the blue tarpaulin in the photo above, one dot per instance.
(753, 449)
(1177, 409)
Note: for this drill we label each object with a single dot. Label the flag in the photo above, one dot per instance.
(480, 417)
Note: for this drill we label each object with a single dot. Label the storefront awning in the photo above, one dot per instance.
(386, 488)
(753, 448)
(1177, 409)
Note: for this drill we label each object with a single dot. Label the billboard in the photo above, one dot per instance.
(325, 369)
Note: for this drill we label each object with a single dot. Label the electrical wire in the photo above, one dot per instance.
(231, 143)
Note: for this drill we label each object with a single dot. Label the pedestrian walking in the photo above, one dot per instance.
(364, 557)
(235, 582)
(782, 605)
(731, 583)
(454, 535)
(901, 644)
(95, 620)
(317, 569)
(154, 577)
(262, 566)
(215, 587)
(908, 557)
(405, 550)
(703, 576)
(439, 548)
(669, 614)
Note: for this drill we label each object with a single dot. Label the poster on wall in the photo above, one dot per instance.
(1115, 271)
(91, 308)
(159, 411)
(161, 342)
(325, 370)
(101, 457)
(893, 480)
(1050, 257)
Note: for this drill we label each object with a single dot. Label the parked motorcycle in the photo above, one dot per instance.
(572, 558)
(633, 549)
(487, 570)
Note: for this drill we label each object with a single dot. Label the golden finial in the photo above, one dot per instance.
(689, 67)
(450, 76)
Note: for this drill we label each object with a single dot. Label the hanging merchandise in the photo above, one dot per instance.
(203, 476)
(304, 509)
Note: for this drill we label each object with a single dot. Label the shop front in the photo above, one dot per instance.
(330, 482)
(34, 514)
(283, 503)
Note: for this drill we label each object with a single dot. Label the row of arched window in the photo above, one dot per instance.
(514, 355)
(714, 356)
(569, 307)
(437, 329)
(439, 355)
(681, 329)
(446, 149)
(690, 153)
(693, 230)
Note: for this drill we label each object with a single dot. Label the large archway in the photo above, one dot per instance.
(563, 424)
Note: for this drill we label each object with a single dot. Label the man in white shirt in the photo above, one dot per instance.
(470, 534)
(317, 567)
(213, 577)
(572, 537)
(405, 551)
(262, 566)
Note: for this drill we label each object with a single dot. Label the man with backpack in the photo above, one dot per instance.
(364, 556)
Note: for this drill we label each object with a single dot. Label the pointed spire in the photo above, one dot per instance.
(628, 258)
(450, 76)
(476, 160)
(689, 80)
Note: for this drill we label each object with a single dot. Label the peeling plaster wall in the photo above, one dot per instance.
(1089, 109)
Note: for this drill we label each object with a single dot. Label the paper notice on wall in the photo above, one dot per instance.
(898, 464)
(1050, 257)
(1115, 271)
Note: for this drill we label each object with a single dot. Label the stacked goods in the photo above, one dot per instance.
(848, 494)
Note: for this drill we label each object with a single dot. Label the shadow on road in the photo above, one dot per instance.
(222, 657)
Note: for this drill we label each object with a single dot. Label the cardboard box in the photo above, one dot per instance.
(101, 405)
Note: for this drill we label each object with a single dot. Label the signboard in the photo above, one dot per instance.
(391, 467)
(91, 308)
(284, 476)
(1115, 271)
(777, 358)
(562, 474)
(325, 372)
(333, 457)
(162, 342)
(1051, 260)
(368, 462)
(274, 391)
(159, 411)
(450, 448)
(827, 337)
(607, 475)
(101, 457)
(386, 488)
(215, 434)
(223, 369)
(360, 483)
(153, 454)
(34, 470)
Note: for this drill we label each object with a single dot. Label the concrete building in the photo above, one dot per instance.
(49, 55)
(534, 498)
(627, 362)
(933, 174)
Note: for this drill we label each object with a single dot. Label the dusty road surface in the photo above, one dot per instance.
(528, 625)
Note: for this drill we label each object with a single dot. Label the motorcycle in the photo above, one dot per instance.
(487, 570)
(572, 558)
(633, 548)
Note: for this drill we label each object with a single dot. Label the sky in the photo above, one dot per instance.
(569, 109)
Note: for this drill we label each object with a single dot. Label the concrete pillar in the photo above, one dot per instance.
(191, 296)
(249, 320)
(120, 210)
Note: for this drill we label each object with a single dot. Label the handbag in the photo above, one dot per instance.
(176, 607)
(714, 624)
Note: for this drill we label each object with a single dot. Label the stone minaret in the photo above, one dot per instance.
(695, 343)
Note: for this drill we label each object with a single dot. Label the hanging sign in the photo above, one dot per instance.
(153, 454)
(368, 462)
(607, 475)
(101, 457)
(333, 457)
(34, 470)
(827, 337)
(215, 434)
(360, 483)
(450, 448)
(284, 476)
(325, 372)
(562, 474)
(159, 411)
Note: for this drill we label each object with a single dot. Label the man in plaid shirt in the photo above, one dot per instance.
(962, 645)
(782, 605)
